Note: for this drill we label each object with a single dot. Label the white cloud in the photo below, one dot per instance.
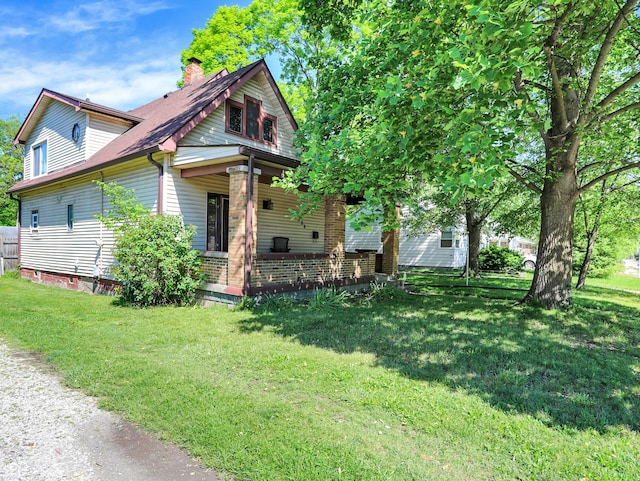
(117, 85)
(114, 53)
(92, 16)
(12, 33)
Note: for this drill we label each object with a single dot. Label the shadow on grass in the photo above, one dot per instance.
(577, 369)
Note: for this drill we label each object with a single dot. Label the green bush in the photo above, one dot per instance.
(156, 264)
(494, 258)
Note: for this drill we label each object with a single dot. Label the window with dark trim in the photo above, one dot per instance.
(217, 222)
(268, 129)
(70, 217)
(253, 119)
(235, 116)
(249, 120)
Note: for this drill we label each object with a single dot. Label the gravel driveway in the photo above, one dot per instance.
(51, 433)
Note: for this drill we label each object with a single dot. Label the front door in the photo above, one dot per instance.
(217, 222)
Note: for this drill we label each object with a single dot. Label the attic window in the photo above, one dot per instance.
(249, 120)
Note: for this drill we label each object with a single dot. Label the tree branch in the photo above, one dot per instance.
(524, 166)
(537, 85)
(527, 183)
(613, 95)
(605, 49)
(618, 188)
(620, 111)
(606, 175)
(557, 27)
(585, 215)
(588, 166)
(557, 88)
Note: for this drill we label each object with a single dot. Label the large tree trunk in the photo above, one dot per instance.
(551, 285)
(584, 268)
(474, 227)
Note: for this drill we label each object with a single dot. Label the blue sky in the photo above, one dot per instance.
(121, 53)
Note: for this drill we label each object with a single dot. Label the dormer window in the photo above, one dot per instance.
(39, 159)
(250, 121)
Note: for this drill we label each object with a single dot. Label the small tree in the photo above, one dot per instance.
(10, 169)
(156, 263)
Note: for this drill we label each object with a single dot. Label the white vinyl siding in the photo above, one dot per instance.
(363, 239)
(278, 223)
(101, 131)
(53, 247)
(189, 197)
(423, 250)
(211, 131)
(54, 128)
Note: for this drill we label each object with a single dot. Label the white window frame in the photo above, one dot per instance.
(40, 171)
(449, 232)
(35, 220)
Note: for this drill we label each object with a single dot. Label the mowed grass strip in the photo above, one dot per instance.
(449, 385)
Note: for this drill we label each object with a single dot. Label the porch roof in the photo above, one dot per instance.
(195, 161)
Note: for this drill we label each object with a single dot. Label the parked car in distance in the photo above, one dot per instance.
(529, 261)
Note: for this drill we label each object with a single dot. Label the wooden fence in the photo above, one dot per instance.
(8, 253)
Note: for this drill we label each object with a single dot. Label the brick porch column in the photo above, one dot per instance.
(334, 225)
(237, 223)
(391, 249)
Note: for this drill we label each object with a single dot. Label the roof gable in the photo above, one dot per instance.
(172, 116)
(156, 126)
(47, 96)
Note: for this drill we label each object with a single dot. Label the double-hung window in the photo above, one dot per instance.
(39, 159)
(249, 120)
(446, 238)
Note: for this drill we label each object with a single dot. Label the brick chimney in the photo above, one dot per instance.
(193, 71)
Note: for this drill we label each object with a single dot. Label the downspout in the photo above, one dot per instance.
(248, 233)
(97, 269)
(19, 223)
(160, 181)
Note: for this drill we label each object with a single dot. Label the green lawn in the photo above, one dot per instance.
(449, 384)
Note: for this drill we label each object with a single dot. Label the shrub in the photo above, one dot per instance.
(156, 264)
(494, 258)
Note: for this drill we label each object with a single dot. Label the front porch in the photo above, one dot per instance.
(241, 262)
(274, 273)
